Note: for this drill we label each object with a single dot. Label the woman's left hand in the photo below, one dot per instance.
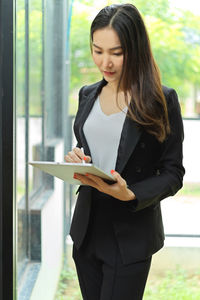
(118, 190)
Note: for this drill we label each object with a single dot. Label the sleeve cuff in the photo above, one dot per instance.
(132, 204)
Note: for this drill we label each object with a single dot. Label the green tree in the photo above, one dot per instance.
(82, 66)
(175, 40)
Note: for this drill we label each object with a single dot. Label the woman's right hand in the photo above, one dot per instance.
(77, 156)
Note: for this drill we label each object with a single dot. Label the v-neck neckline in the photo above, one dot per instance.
(124, 110)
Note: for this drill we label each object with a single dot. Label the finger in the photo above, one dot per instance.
(79, 153)
(118, 177)
(72, 157)
(98, 180)
(87, 159)
(85, 180)
(68, 159)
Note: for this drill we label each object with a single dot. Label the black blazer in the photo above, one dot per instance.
(153, 171)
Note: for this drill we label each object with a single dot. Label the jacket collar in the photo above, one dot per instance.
(130, 135)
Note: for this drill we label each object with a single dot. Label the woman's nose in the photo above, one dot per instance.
(107, 62)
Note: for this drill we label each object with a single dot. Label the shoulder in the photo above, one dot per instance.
(168, 92)
(171, 97)
(92, 89)
(87, 89)
(174, 111)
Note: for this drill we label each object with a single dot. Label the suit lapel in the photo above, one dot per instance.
(87, 108)
(88, 101)
(130, 135)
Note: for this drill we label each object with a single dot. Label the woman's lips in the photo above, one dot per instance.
(109, 73)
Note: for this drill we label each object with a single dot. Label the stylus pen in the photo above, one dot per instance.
(83, 161)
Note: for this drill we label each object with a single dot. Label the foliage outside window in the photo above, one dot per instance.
(175, 39)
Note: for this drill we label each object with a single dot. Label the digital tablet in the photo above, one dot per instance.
(65, 171)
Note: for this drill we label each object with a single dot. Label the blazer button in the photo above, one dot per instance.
(138, 170)
(157, 172)
(142, 145)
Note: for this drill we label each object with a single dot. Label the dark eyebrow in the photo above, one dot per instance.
(114, 48)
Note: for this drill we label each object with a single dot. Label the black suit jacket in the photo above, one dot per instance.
(153, 171)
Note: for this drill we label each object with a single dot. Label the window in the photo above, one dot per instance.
(175, 35)
(174, 31)
(43, 126)
(41, 134)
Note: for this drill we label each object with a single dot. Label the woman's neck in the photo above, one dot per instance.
(113, 87)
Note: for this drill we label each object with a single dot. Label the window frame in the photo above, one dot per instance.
(7, 123)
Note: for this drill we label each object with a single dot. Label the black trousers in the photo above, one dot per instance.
(101, 272)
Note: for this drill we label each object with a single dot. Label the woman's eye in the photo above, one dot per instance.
(97, 52)
(118, 54)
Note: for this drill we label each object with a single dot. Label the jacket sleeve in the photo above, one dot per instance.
(171, 171)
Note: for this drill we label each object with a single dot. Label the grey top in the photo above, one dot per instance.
(103, 134)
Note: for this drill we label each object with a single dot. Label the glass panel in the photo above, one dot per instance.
(35, 57)
(180, 213)
(42, 117)
(175, 37)
(35, 94)
(174, 31)
(21, 137)
(184, 37)
(41, 101)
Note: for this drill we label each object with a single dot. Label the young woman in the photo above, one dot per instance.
(130, 125)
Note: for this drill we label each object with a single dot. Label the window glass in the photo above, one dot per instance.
(180, 69)
(42, 122)
(174, 31)
(35, 57)
(21, 137)
(44, 129)
(35, 90)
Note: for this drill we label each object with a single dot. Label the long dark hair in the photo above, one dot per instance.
(140, 75)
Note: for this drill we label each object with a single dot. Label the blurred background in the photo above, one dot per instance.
(53, 61)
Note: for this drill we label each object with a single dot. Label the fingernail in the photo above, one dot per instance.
(75, 177)
(86, 174)
(112, 171)
(84, 158)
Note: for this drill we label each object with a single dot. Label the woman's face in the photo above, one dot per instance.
(107, 54)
